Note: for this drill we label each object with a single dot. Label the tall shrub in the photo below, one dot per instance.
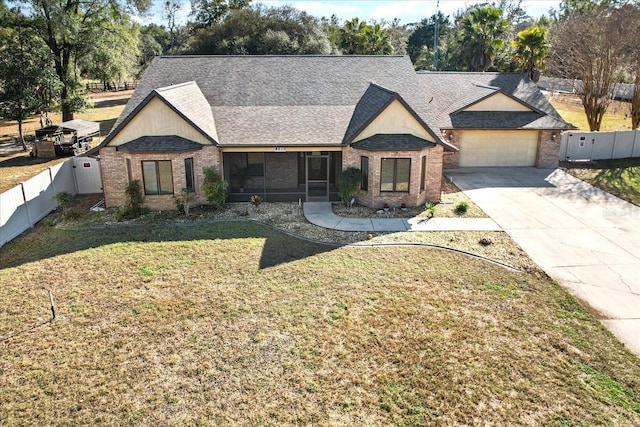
(348, 184)
(135, 199)
(214, 187)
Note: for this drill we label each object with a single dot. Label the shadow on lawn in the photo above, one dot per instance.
(46, 242)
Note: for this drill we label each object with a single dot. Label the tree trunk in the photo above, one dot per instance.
(635, 104)
(24, 144)
(67, 114)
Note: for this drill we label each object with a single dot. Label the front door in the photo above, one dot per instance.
(317, 179)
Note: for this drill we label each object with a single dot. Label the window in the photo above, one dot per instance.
(394, 175)
(158, 177)
(129, 171)
(255, 164)
(189, 179)
(423, 173)
(364, 168)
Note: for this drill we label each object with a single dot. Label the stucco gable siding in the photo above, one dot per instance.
(395, 119)
(157, 119)
(498, 102)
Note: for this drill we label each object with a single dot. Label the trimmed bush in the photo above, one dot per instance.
(348, 184)
(135, 199)
(214, 187)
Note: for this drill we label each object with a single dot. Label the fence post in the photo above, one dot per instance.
(73, 173)
(564, 143)
(613, 144)
(26, 205)
(53, 187)
(635, 150)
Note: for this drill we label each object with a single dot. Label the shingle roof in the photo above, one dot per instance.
(383, 142)
(244, 125)
(259, 93)
(374, 100)
(189, 100)
(185, 99)
(453, 91)
(162, 144)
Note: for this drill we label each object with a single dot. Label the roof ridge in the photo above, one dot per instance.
(392, 92)
(466, 73)
(174, 86)
(282, 56)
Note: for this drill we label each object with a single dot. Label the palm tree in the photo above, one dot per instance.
(377, 41)
(352, 36)
(531, 50)
(480, 36)
(359, 38)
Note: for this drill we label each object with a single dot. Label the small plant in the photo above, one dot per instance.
(348, 184)
(485, 241)
(71, 214)
(256, 200)
(135, 199)
(215, 188)
(430, 208)
(63, 199)
(183, 201)
(462, 207)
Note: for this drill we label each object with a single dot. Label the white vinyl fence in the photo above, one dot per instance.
(580, 146)
(27, 203)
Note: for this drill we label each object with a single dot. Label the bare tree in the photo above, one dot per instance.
(588, 48)
(634, 65)
(171, 8)
(635, 101)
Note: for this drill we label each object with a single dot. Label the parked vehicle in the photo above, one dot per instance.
(64, 139)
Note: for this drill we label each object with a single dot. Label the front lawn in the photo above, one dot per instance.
(618, 177)
(571, 110)
(234, 323)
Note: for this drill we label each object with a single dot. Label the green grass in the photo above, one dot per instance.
(618, 177)
(237, 324)
(572, 111)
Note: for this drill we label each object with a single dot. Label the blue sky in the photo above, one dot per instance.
(407, 11)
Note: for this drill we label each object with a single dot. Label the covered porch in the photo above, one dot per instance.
(283, 174)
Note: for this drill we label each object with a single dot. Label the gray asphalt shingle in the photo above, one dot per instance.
(452, 91)
(159, 144)
(400, 142)
(299, 100)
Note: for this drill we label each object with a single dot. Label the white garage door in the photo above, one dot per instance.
(498, 148)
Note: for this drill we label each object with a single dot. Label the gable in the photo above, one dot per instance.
(498, 102)
(156, 119)
(395, 119)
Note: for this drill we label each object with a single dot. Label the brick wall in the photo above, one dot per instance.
(374, 198)
(452, 159)
(548, 149)
(115, 178)
(286, 165)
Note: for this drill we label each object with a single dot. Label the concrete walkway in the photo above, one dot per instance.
(583, 237)
(321, 214)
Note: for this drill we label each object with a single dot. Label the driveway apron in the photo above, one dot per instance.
(583, 237)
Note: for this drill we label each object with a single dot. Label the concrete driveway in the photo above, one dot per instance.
(584, 238)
